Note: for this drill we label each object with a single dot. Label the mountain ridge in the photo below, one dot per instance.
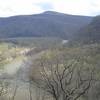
(46, 24)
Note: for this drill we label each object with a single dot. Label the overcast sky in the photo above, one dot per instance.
(24, 7)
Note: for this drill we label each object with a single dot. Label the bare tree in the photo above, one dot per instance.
(63, 80)
(15, 91)
(30, 91)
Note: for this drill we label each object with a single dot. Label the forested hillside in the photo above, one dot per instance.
(90, 33)
(47, 24)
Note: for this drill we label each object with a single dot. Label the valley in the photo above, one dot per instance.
(50, 56)
(15, 66)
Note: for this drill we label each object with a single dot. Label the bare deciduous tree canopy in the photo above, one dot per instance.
(63, 79)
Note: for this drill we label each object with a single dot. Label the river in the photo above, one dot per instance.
(15, 74)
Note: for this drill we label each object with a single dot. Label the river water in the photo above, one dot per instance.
(19, 88)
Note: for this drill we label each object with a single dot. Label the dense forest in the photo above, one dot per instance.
(90, 33)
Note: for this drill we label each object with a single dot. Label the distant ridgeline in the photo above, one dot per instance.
(47, 24)
(90, 33)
